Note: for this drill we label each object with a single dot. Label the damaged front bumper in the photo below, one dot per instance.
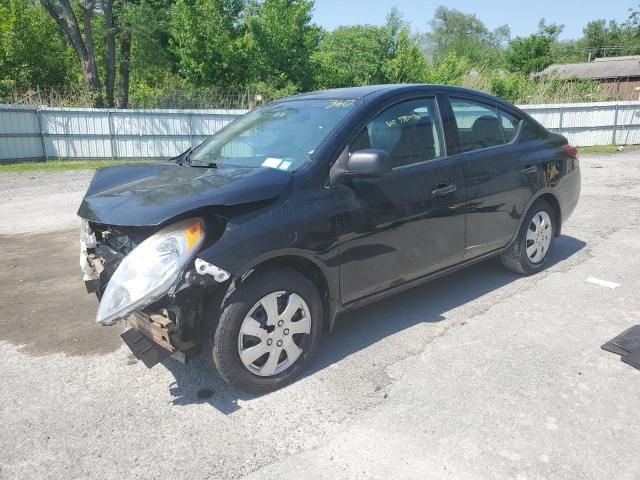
(162, 325)
(90, 263)
(154, 337)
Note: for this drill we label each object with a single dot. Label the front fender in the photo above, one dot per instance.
(305, 231)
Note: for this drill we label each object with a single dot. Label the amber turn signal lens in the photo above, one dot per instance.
(193, 233)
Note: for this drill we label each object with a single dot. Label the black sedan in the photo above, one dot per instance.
(248, 247)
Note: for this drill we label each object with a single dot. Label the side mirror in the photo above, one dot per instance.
(362, 164)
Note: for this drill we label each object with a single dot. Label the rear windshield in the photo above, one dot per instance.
(281, 135)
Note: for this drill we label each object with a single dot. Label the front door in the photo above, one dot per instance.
(406, 224)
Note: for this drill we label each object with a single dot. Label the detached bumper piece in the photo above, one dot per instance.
(627, 345)
(144, 349)
(149, 338)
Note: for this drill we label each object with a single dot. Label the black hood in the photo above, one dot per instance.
(151, 194)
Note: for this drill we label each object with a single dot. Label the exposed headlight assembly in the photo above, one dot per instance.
(150, 270)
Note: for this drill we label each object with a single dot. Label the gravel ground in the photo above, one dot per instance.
(41, 201)
(482, 374)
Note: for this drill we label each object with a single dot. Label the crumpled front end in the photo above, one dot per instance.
(153, 281)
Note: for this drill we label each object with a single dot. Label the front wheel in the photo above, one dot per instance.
(529, 251)
(268, 330)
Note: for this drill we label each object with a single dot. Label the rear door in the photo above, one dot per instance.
(410, 222)
(501, 171)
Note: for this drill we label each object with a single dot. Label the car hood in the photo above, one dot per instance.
(151, 194)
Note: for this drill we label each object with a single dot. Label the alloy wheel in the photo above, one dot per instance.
(539, 235)
(272, 334)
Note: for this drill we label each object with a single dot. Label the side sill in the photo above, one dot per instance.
(418, 281)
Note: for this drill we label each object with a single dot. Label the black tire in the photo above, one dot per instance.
(221, 348)
(515, 257)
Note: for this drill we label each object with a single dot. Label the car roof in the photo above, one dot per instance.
(374, 92)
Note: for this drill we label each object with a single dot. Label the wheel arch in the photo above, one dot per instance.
(307, 267)
(551, 199)
(549, 196)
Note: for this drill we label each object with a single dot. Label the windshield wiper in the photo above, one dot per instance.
(184, 158)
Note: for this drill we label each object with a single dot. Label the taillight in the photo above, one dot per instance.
(571, 151)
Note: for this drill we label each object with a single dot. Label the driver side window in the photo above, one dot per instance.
(410, 132)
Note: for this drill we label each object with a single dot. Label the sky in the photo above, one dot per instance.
(521, 16)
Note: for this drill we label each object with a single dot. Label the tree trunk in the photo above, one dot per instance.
(125, 62)
(110, 52)
(92, 68)
(63, 15)
(125, 66)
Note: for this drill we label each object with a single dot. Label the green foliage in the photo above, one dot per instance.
(606, 39)
(350, 56)
(449, 69)
(284, 39)
(208, 42)
(511, 87)
(32, 52)
(201, 53)
(408, 63)
(367, 54)
(466, 36)
(152, 61)
(535, 52)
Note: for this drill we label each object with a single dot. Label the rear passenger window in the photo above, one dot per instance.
(482, 126)
(409, 132)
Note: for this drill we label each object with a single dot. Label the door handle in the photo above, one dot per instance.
(442, 191)
(530, 170)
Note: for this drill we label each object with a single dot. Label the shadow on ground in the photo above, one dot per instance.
(354, 331)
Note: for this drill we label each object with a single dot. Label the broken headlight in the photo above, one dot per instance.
(150, 270)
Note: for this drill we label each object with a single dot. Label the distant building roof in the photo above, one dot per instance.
(600, 68)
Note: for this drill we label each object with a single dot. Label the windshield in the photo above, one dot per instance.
(281, 135)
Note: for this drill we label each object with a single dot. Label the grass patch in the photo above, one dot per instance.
(607, 149)
(60, 165)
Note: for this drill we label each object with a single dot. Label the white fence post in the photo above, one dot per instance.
(43, 140)
(114, 150)
(615, 125)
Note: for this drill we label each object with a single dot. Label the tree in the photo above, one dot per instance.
(403, 60)
(366, 54)
(349, 56)
(408, 63)
(465, 35)
(32, 52)
(603, 39)
(150, 66)
(208, 42)
(80, 35)
(449, 69)
(535, 52)
(81, 39)
(285, 39)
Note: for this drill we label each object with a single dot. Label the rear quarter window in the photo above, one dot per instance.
(510, 125)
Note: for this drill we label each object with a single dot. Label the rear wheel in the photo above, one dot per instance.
(529, 252)
(267, 332)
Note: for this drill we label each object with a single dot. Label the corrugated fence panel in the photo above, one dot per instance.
(20, 134)
(589, 124)
(628, 130)
(102, 133)
(77, 133)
